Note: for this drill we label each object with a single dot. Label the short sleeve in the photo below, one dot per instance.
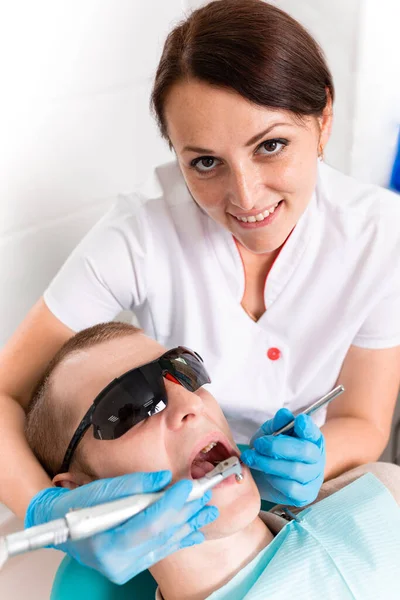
(105, 272)
(381, 329)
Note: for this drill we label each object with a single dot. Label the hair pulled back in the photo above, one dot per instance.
(248, 46)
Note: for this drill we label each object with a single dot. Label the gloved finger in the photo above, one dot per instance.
(173, 535)
(284, 446)
(124, 574)
(108, 547)
(294, 471)
(157, 520)
(306, 429)
(105, 490)
(204, 517)
(297, 493)
(169, 511)
(194, 538)
(40, 507)
(281, 418)
(268, 492)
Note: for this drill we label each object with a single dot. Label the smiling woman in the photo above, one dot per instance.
(204, 109)
(275, 267)
(243, 181)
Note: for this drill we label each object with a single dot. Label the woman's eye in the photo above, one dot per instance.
(206, 162)
(273, 146)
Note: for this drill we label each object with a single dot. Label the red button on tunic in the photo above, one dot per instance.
(274, 353)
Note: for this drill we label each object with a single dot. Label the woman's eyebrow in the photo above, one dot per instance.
(252, 141)
(257, 137)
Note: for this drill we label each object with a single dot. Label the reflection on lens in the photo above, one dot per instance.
(126, 418)
(157, 408)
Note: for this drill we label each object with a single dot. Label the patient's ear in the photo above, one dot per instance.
(71, 480)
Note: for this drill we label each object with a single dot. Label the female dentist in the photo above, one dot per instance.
(280, 271)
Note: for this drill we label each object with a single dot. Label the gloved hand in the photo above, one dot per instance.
(121, 553)
(288, 469)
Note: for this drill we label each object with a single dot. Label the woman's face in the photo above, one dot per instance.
(250, 168)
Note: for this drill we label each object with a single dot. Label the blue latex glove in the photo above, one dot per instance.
(121, 553)
(288, 469)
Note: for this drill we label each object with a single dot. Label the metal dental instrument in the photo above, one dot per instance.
(311, 409)
(85, 522)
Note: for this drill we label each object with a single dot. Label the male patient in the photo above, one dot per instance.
(346, 545)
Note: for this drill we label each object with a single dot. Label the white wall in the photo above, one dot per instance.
(75, 127)
(377, 98)
(335, 26)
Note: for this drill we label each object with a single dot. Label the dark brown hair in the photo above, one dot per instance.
(251, 47)
(48, 425)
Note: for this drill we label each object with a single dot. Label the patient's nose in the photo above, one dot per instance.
(183, 406)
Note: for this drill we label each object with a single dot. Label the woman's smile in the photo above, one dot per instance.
(261, 219)
(247, 189)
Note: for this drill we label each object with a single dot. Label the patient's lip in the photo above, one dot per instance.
(213, 436)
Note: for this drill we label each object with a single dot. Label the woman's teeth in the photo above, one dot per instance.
(259, 217)
(208, 448)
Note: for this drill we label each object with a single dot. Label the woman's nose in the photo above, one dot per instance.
(242, 190)
(183, 405)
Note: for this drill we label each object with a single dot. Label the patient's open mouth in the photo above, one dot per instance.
(207, 458)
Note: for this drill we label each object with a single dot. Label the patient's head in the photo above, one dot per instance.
(171, 439)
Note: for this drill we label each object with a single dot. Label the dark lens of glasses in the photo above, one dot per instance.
(126, 403)
(140, 393)
(186, 366)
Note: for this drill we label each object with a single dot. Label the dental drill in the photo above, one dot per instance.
(86, 522)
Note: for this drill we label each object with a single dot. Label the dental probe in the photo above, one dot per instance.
(85, 522)
(311, 409)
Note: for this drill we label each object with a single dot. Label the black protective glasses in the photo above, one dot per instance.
(137, 395)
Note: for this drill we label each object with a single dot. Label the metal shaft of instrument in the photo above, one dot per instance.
(314, 407)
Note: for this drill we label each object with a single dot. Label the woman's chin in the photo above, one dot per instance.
(261, 244)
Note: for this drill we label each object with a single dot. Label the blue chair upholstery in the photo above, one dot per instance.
(75, 582)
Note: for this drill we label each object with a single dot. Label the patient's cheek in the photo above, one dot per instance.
(127, 454)
(216, 414)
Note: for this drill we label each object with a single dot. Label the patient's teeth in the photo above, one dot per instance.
(208, 448)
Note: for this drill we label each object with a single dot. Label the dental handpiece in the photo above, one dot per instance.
(85, 522)
(314, 407)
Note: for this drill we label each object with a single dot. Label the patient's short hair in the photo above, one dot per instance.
(48, 425)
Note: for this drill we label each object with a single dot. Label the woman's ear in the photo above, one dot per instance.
(325, 121)
(71, 480)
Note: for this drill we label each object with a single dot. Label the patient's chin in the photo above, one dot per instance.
(235, 513)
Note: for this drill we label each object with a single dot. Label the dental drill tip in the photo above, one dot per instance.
(239, 478)
(223, 470)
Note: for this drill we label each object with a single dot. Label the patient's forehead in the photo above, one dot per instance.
(83, 374)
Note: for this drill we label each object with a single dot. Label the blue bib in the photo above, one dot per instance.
(346, 546)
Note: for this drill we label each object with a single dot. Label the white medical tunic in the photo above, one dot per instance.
(335, 282)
